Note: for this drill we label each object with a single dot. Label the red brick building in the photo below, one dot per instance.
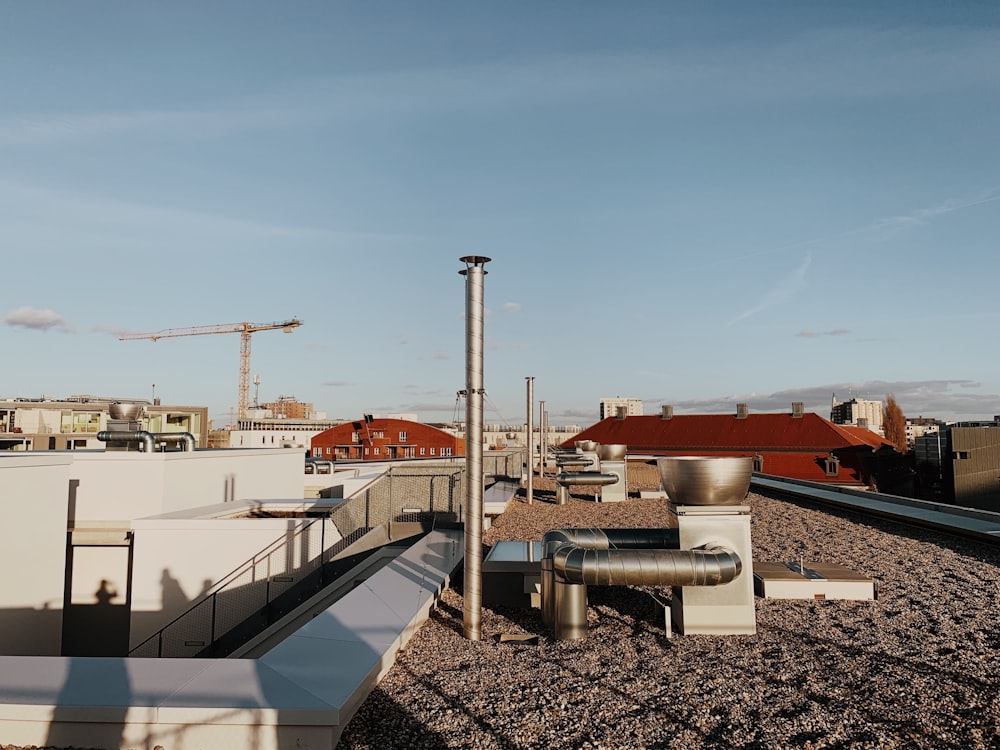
(795, 445)
(375, 439)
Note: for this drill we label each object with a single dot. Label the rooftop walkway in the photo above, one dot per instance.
(979, 524)
(301, 693)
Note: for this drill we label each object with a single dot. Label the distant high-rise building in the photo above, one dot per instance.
(610, 406)
(857, 413)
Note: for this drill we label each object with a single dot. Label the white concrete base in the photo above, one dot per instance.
(813, 581)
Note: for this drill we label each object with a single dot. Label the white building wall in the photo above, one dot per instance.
(33, 502)
(119, 486)
(176, 560)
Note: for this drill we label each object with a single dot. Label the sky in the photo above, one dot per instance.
(695, 204)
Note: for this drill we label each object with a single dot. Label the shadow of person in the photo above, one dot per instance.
(103, 683)
(172, 596)
(105, 593)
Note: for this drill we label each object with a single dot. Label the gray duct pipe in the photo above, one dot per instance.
(186, 439)
(710, 565)
(655, 538)
(586, 478)
(575, 558)
(127, 436)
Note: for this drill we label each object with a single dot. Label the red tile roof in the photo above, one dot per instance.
(725, 432)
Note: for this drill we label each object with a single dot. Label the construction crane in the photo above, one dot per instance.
(244, 329)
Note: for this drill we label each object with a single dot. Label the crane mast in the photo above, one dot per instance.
(246, 330)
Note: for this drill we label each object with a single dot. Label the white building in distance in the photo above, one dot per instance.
(610, 406)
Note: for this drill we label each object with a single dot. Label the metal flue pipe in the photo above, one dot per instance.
(530, 440)
(474, 273)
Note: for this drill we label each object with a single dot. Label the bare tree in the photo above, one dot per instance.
(894, 424)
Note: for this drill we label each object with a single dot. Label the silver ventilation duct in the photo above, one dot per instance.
(705, 480)
(126, 439)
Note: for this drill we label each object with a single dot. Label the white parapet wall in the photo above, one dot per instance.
(98, 495)
(34, 491)
(178, 556)
(118, 486)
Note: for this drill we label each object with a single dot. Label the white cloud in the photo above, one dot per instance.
(512, 307)
(38, 320)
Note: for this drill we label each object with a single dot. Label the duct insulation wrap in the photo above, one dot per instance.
(711, 565)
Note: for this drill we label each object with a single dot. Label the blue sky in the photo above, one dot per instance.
(694, 204)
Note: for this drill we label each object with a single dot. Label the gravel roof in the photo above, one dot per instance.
(918, 668)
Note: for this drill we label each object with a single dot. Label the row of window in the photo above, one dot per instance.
(377, 451)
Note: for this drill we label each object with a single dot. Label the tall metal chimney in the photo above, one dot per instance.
(530, 440)
(473, 577)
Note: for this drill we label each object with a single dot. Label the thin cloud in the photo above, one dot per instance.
(782, 292)
(441, 356)
(808, 334)
(512, 307)
(74, 127)
(337, 383)
(37, 320)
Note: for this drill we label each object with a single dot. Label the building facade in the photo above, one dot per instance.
(381, 439)
(73, 423)
(857, 413)
(610, 406)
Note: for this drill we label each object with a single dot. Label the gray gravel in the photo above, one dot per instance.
(918, 668)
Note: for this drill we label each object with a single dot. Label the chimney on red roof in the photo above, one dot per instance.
(741, 411)
(798, 409)
(666, 411)
(620, 412)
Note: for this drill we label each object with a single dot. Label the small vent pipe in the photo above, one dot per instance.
(186, 439)
(139, 437)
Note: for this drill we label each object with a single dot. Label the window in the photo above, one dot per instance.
(832, 466)
(758, 463)
(402, 437)
(378, 450)
(354, 437)
(378, 434)
(366, 450)
(432, 451)
(423, 451)
(446, 451)
(960, 455)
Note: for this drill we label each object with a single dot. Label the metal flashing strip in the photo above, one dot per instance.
(966, 522)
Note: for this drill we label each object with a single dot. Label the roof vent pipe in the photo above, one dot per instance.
(741, 411)
(798, 409)
(186, 439)
(140, 437)
(666, 412)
